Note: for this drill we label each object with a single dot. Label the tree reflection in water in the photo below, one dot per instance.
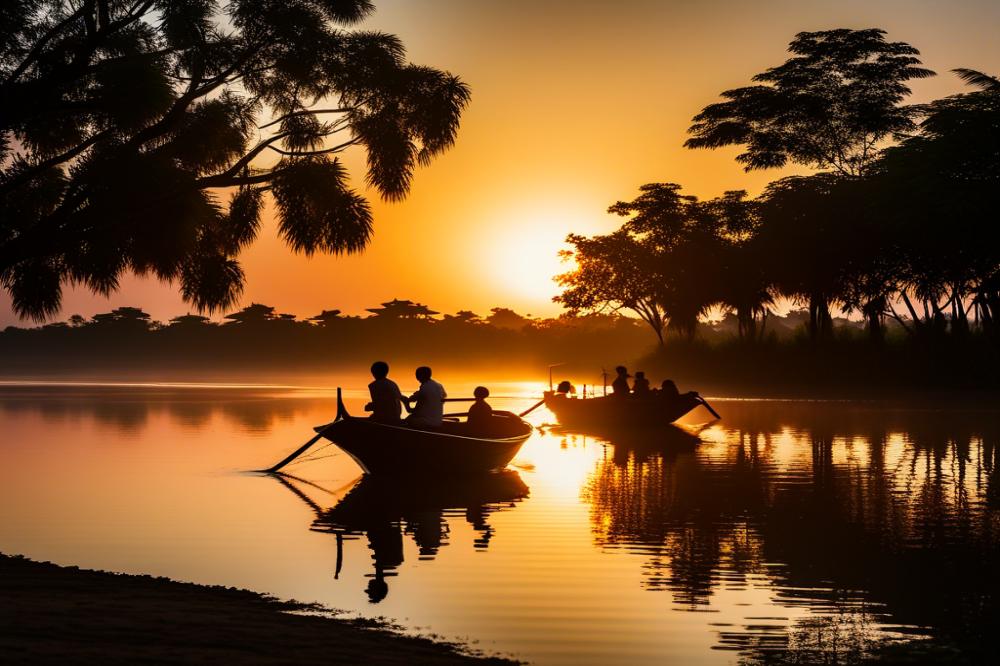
(386, 510)
(879, 525)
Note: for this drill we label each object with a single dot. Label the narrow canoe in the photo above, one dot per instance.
(453, 449)
(620, 412)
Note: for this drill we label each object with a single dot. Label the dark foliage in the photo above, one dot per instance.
(827, 107)
(912, 237)
(133, 137)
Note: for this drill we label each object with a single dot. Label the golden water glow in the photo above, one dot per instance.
(625, 552)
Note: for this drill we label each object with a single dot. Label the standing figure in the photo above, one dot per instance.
(429, 410)
(386, 404)
(619, 387)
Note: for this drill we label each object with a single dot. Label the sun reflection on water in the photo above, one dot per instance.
(818, 530)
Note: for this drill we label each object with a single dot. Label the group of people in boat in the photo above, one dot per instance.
(640, 387)
(425, 407)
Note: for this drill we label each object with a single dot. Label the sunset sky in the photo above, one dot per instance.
(575, 104)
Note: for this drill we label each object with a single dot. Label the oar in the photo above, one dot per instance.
(341, 414)
(524, 413)
(295, 454)
(532, 408)
(709, 407)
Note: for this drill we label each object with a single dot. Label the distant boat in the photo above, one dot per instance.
(454, 448)
(614, 412)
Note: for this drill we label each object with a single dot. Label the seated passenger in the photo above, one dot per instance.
(641, 385)
(668, 389)
(429, 410)
(386, 404)
(480, 413)
(565, 388)
(619, 387)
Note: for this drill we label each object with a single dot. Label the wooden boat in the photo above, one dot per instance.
(620, 412)
(454, 448)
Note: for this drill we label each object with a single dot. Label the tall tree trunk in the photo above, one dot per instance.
(873, 318)
(820, 322)
(959, 316)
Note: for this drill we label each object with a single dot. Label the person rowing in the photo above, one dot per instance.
(429, 398)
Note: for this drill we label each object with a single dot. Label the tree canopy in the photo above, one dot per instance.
(913, 238)
(827, 107)
(134, 136)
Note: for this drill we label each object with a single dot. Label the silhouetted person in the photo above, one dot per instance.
(480, 413)
(428, 530)
(429, 410)
(619, 387)
(668, 389)
(387, 400)
(640, 386)
(377, 589)
(565, 388)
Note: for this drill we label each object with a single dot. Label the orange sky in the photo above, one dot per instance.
(575, 104)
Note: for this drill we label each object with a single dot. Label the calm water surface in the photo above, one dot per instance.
(825, 530)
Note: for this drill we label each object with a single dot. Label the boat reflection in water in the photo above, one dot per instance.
(667, 440)
(387, 510)
(880, 539)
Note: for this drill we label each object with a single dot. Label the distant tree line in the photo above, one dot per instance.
(265, 344)
(260, 335)
(899, 223)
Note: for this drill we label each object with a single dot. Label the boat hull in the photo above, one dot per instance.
(392, 450)
(620, 413)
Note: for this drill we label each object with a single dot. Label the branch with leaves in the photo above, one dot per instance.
(134, 136)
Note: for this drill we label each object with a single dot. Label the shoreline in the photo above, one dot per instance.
(53, 613)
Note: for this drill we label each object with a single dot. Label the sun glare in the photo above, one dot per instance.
(526, 259)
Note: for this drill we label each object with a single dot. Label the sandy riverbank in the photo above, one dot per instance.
(50, 613)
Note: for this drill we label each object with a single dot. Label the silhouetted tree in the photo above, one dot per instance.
(828, 107)
(613, 273)
(253, 314)
(189, 321)
(802, 240)
(507, 319)
(463, 317)
(397, 309)
(673, 260)
(133, 137)
(742, 281)
(326, 317)
(939, 188)
(125, 319)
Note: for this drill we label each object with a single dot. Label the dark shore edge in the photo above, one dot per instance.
(50, 613)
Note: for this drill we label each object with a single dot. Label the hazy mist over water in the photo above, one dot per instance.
(802, 526)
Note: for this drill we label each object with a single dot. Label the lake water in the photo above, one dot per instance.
(822, 530)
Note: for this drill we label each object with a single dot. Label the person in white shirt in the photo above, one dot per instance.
(429, 398)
